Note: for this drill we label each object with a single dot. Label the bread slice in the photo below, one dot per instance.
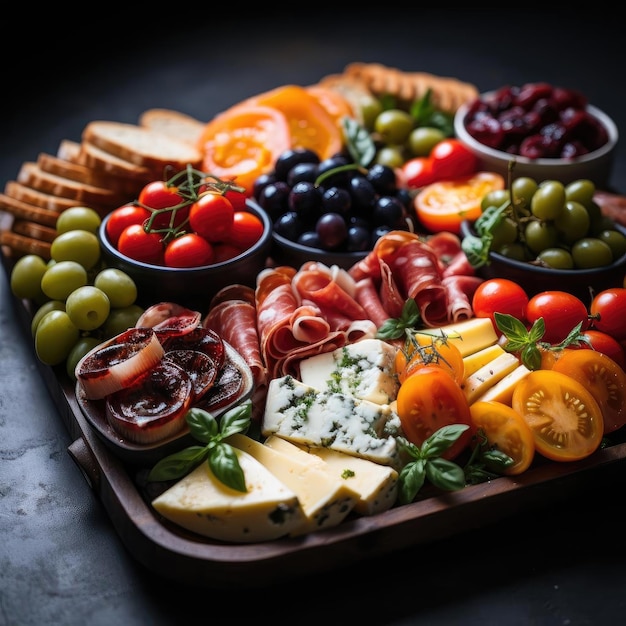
(108, 164)
(142, 146)
(34, 230)
(174, 124)
(25, 211)
(31, 196)
(17, 245)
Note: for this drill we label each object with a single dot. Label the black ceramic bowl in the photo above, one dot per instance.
(534, 278)
(191, 287)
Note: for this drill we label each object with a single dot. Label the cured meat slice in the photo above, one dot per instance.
(368, 297)
(233, 292)
(460, 290)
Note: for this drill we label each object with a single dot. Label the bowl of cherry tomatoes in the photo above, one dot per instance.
(187, 251)
(539, 130)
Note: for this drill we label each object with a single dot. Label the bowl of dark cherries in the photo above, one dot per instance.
(331, 211)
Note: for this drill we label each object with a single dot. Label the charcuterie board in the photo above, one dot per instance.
(180, 555)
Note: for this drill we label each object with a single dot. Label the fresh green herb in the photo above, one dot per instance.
(486, 462)
(348, 473)
(359, 142)
(221, 456)
(428, 464)
(527, 343)
(395, 328)
(425, 113)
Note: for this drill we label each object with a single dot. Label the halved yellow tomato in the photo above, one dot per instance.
(335, 104)
(564, 417)
(507, 431)
(443, 205)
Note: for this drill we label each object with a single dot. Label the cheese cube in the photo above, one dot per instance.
(375, 484)
(202, 504)
(326, 500)
(329, 419)
(488, 375)
(365, 369)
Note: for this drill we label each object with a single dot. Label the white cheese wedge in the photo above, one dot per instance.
(365, 369)
(468, 336)
(502, 391)
(473, 362)
(339, 421)
(375, 484)
(326, 500)
(488, 375)
(202, 504)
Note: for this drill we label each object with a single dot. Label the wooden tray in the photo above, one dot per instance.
(179, 555)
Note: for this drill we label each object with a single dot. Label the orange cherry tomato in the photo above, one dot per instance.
(428, 400)
(335, 104)
(246, 230)
(603, 378)
(443, 205)
(605, 343)
(564, 417)
(244, 142)
(505, 430)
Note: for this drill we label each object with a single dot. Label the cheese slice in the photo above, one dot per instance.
(473, 362)
(333, 420)
(365, 369)
(326, 500)
(468, 336)
(375, 484)
(202, 504)
(502, 391)
(488, 375)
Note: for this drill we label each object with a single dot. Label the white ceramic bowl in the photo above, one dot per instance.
(595, 166)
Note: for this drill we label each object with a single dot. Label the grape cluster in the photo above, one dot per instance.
(79, 301)
(333, 204)
(556, 225)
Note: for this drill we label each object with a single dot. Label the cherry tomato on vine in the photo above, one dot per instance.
(122, 217)
(505, 430)
(211, 216)
(246, 230)
(499, 295)
(452, 159)
(561, 312)
(608, 310)
(564, 417)
(603, 378)
(136, 243)
(425, 350)
(430, 399)
(188, 250)
(418, 172)
(158, 195)
(606, 344)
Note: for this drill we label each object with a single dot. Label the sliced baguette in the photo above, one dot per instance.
(174, 124)
(142, 146)
(108, 164)
(26, 211)
(31, 196)
(35, 231)
(18, 245)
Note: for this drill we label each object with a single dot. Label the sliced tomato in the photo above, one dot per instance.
(443, 205)
(564, 417)
(603, 378)
(507, 431)
(428, 400)
(244, 142)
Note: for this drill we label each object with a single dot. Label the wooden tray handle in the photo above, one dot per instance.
(84, 459)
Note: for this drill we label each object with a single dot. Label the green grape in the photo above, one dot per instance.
(603, 222)
(370, 109)
(423, 139)
(392, 156)
(55, 337)
(515, 251)
(26, 276)
(81, 246)
(591, 252)
(80, 349)
(548, 201)
(504, 233)
(615, 240)
(118, 286)
(62, 278)
(558, 258)
(88, 307)
(51, 305)
(523, 189)
(581, 190)
(394, 126)
(120, 320)
(78, 218)
(495, 198)
(540, 235)
(573, 222)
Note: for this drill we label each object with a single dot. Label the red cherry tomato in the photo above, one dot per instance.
(561, 312)
(158, 195)
(189, 250)
(246, 231)
(211, 216)
(608, 311)
(225, 251)
(122, 217)
(605, 343)
(499, 295)
(452, 159)
(136, 243)
(418, 172)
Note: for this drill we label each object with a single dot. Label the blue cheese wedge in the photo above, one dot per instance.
(375, 484)
(339, 421)
(326, 500)
(202, 504)
(364, 369)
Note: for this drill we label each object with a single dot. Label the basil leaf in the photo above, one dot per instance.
(178, 464)
(236, 420)
(411, 480)
(225, 466)
(442, 439)
(358, 141)
(445, 474)
(202, 424)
